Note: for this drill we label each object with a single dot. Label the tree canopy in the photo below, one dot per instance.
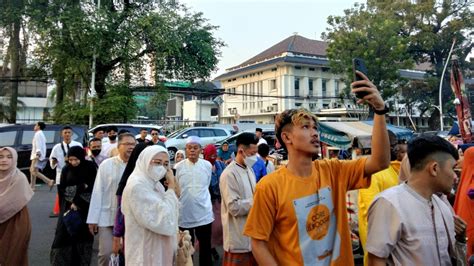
(393, 35)
(131, 41)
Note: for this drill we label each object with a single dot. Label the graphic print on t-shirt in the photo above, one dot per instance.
(318, 237)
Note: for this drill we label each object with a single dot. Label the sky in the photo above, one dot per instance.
(249, 27)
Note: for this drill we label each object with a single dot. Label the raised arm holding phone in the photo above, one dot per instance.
(299, 211)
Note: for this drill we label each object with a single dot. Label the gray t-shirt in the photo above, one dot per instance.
(407, 229)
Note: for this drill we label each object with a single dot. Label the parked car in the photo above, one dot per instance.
(268, 135)
(177, 140)
(132, 128)
(20, 137)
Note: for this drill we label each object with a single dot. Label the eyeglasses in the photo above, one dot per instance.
(128, 143)
(154, 134)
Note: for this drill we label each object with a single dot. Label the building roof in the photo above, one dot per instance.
(295, 44)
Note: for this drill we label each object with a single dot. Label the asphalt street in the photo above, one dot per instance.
(43, 229)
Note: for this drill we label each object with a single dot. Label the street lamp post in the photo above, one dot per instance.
(441, 87)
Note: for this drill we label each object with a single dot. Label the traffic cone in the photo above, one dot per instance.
(56, 205)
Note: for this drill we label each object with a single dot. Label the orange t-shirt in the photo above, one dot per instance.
(304, 220)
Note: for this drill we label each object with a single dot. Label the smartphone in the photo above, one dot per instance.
(359, 65)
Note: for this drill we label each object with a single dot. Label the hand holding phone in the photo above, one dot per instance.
(359, 65)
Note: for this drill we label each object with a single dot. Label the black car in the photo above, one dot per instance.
(20, 137)
(268, 135)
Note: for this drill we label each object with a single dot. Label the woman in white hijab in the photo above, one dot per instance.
(151, 213)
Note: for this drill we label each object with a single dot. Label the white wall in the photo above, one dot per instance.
(192, 110)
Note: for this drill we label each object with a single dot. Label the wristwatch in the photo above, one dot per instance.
(381, 112)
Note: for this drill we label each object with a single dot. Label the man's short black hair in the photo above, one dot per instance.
(66, 127)
(94, 139)
(259, 130)
(111, 128)
(143, 129)
(263, 150)
(123, 131)
(154, 129)
(246, 139)
(97, 130)
(41, 125)
(424, 148)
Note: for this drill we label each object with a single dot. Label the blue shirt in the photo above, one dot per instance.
(259, 169)
(224, 155)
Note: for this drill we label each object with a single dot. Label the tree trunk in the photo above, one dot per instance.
(59, 88)
(100, 77)
(15, 65)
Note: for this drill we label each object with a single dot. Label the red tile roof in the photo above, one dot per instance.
(295, 44)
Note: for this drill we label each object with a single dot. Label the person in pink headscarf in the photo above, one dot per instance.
(15, 225)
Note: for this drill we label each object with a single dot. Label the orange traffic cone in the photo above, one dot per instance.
(56, 205)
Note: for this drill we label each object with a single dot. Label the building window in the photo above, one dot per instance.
(310, 86)
(274, 69)
(324, 87)
(312, 69)
(297, 87)
(298, 67)
(273, 84)
(298, 104)
(325, 69)
(336, 88)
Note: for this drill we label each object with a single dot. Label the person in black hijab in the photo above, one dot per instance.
(74, 247)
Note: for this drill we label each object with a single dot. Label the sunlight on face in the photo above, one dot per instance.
(6, 160)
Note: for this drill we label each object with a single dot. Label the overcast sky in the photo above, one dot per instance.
(249, 27)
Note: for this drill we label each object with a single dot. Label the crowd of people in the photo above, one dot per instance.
(144, 209)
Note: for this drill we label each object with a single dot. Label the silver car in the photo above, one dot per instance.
(209, 135)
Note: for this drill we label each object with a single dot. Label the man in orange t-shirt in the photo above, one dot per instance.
(299, 212)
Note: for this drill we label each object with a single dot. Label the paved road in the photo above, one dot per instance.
(43, 228)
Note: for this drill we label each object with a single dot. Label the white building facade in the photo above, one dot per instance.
(291, 74)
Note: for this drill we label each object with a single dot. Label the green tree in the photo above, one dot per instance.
(12, 21)
(178, 44)
(404, 31)
(362, 33)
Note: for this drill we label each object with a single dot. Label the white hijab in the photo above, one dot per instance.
(143, 166)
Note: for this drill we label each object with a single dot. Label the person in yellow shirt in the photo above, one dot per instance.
(380, 181)
(298, 216)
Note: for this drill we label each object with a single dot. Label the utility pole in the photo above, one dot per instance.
(94, 57)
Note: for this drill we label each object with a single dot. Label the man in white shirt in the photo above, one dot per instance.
(259, 134)
(103, 205)
(237, 186)
(409, 224)
(108, 146)
(38, 156)
(57, 158)
(195, 212)
(95, 149)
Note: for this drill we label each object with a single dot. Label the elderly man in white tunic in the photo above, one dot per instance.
(195, 212)
(151, 213)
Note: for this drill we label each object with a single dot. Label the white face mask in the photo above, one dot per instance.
(250, 160)
(158, 172)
